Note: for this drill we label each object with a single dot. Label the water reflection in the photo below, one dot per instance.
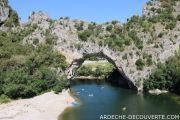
(98, 98)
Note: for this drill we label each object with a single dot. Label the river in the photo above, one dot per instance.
(100, 98)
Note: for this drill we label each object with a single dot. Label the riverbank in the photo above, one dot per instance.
(47, 106)
(89, 78)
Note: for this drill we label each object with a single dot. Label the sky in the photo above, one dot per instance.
(99, 11)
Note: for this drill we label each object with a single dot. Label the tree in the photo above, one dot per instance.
(165, 76)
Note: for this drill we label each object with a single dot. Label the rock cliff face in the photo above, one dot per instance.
(159, 43)
(4, 11)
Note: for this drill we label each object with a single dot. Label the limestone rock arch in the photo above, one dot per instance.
(103, 53)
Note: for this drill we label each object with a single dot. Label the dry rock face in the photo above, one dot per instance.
(147, 8)
(76, 51)
(4, 11)
(41, 19)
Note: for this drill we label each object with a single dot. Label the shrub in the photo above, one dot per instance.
(170, 25)
(114, 22)
(146, 25)
(149, 61)
(178, 18)
(92, 26)
(84, 35)
(165, 76)
(4, 99)
(124, 56)
(50, 39)
(140, 64)
(109, 28)
(160, 34)
(79, 26)
(27, 71)
(149, 3)
(66, 18)
(127, 41)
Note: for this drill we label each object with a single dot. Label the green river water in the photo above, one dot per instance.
(100, 98)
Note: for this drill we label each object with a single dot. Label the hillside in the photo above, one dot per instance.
(38, 52)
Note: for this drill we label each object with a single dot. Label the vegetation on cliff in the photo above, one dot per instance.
(138, 32)
(166, 76)
(27, 70)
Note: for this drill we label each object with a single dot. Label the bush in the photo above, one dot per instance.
(79, 26)
(92, 26)
(178, 18)
(170, 25)
(50, 39)
(4, 99)
(27, 71)
(149, 62)
(135, 38)
(127, 41)
(160, 34)
(84, 35)
(109, 28)
(140, 64)
(146, 25)
(61, 84)
(149, 3)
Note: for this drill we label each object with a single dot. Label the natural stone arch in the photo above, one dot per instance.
(104, 53)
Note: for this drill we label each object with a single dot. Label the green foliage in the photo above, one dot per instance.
(25, 82)
(50, 39)
(93, 58)
(140, 64)
(117, 37)
(78, 46)
(166, 76)
(170, 25)
(164, 14)
(135, 38)
(96, 69)
(178, 18)
(148, 59)
(149, 3)
(79, 26)
(114, 22)
(115, 42)
(4, 99)
(92, 26)
(85, 34)
(146, 26)
(109, 28)
(26, 71)
(124, 56)
(160, 34)
(134, 21)
(66, 18)
(61, 84)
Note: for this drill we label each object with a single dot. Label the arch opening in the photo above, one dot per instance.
(117, 76)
